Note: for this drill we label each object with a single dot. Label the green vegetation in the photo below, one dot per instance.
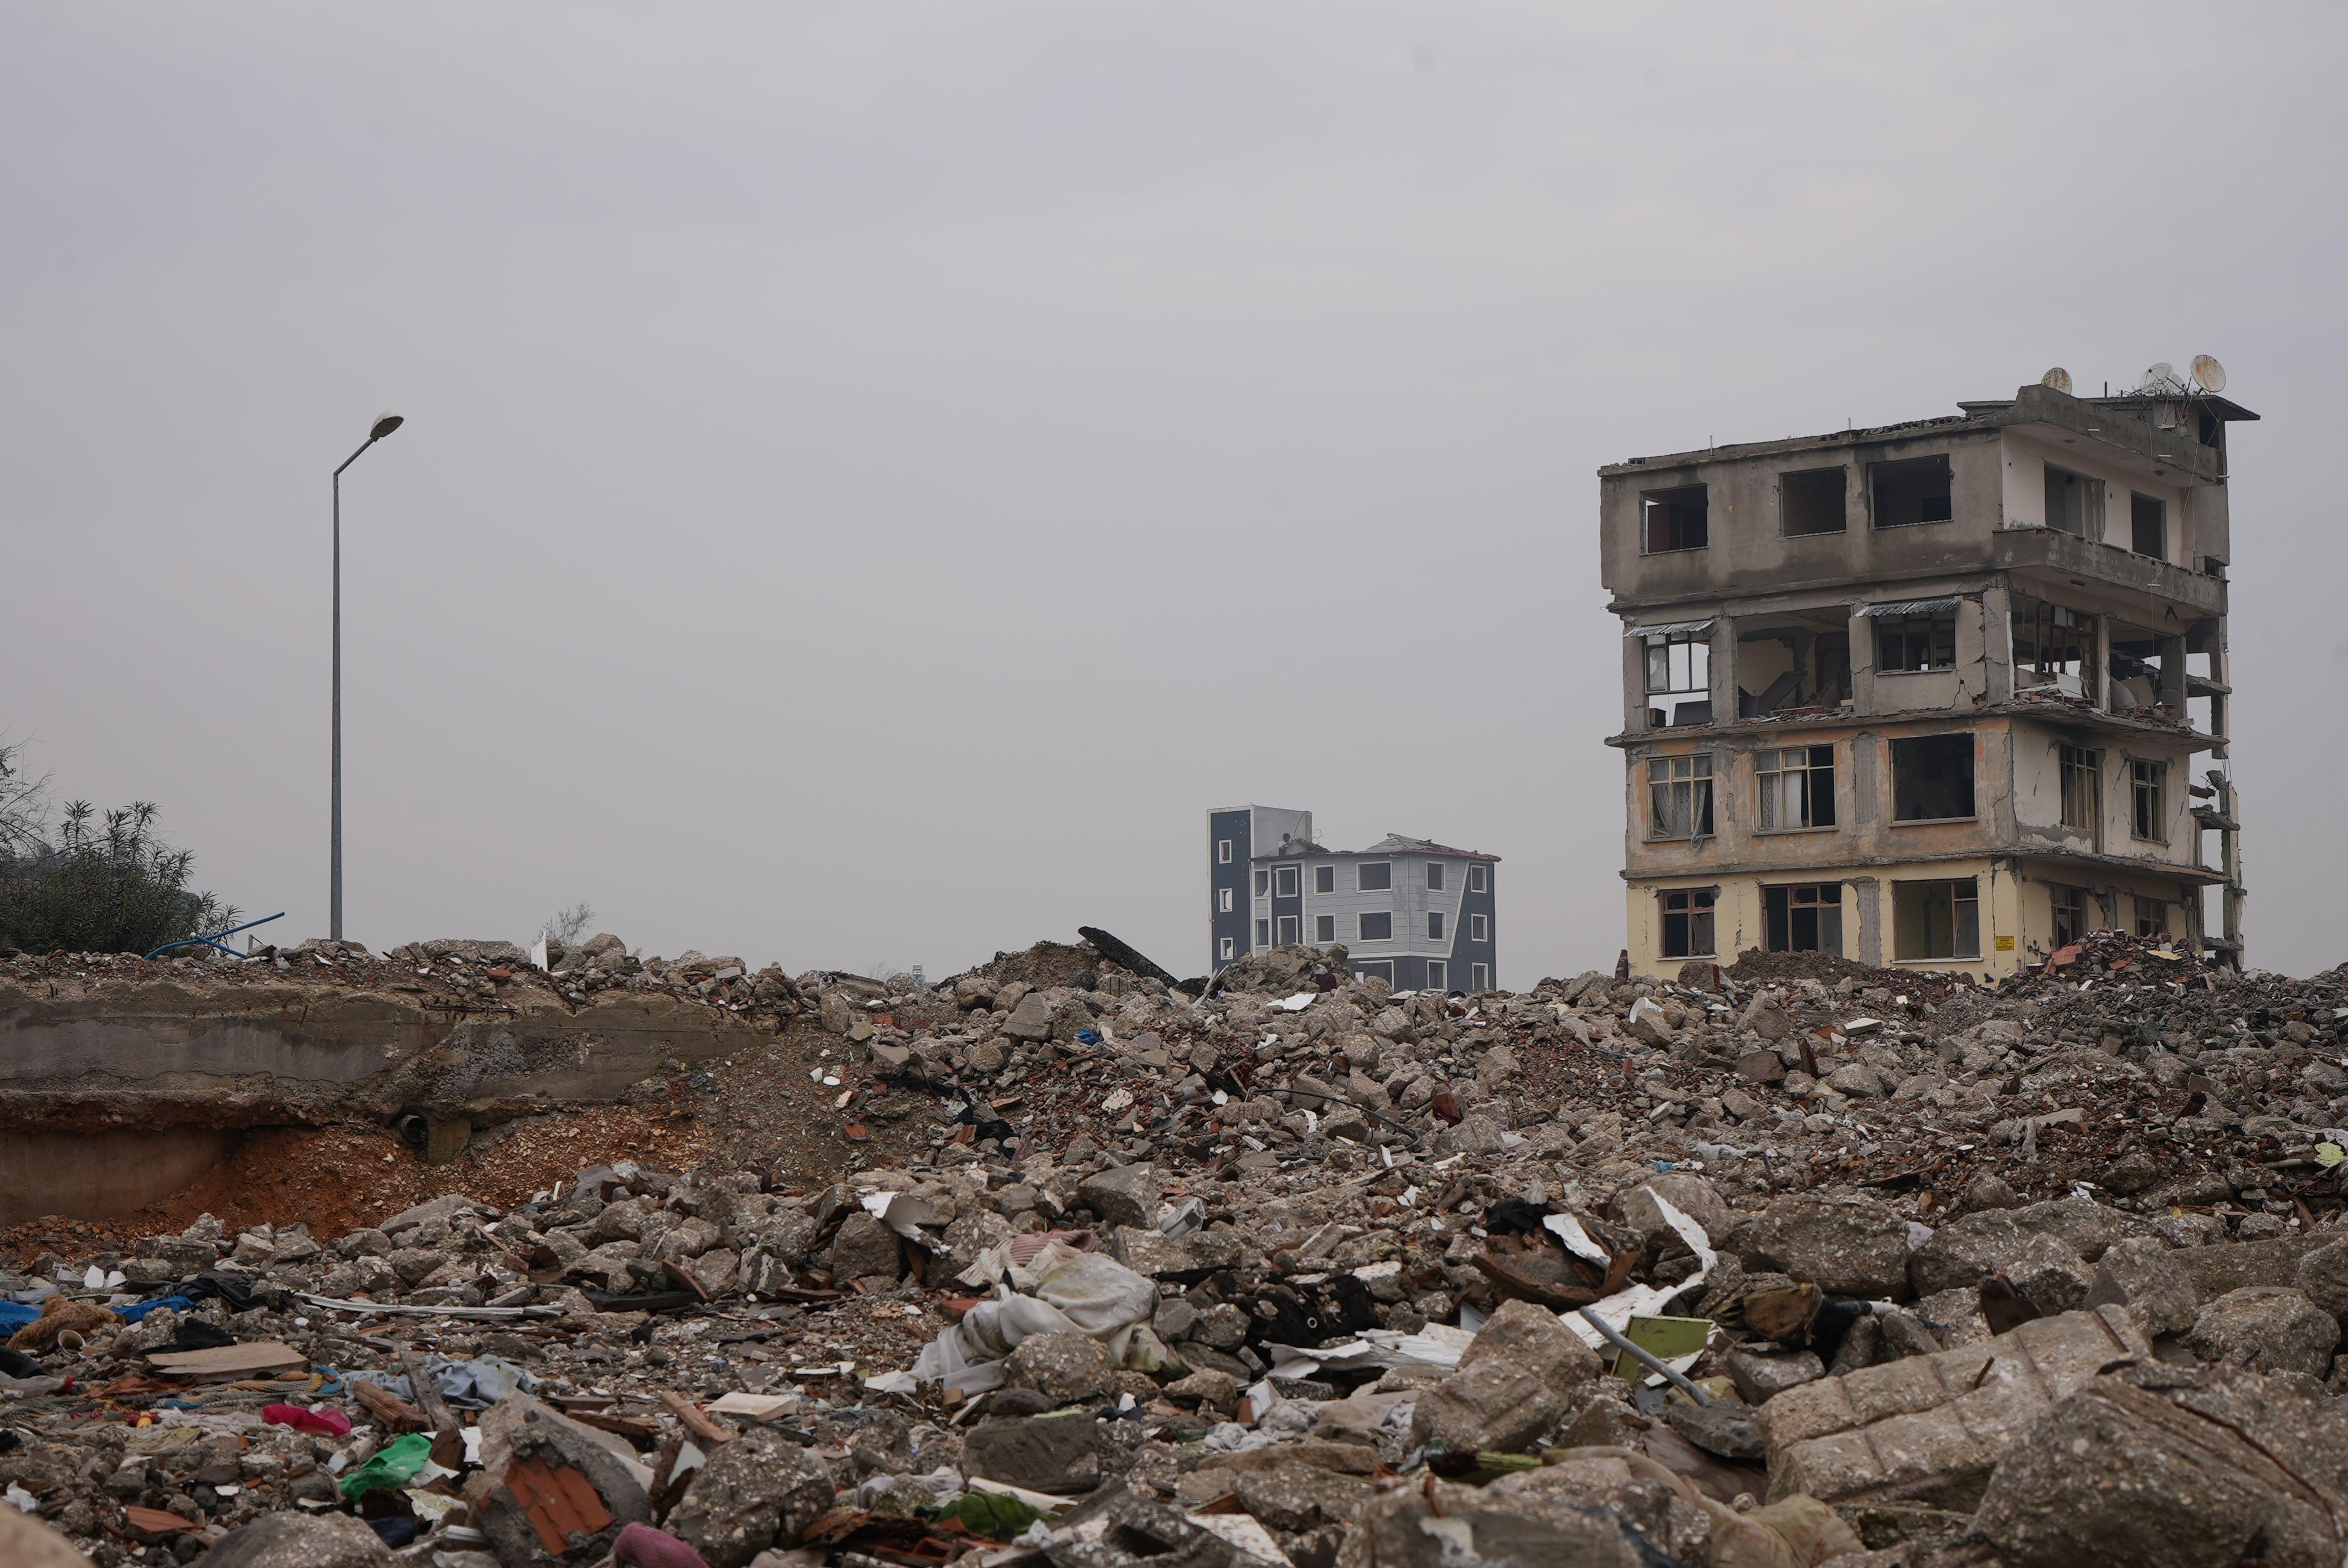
(109, 884)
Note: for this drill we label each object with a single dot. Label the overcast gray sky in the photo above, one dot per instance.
(875, 475)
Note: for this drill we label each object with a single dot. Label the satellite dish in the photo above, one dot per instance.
(2161, 377)
(2208, 374)
(2058, 378)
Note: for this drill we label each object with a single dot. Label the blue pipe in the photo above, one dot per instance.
(210, 942)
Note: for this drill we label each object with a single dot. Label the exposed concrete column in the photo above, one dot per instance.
(2100, 688)
(1862, 662)
(1997, 642)
(2172, 672)
(1867, 895)
(1724, 670)
(1635, 685)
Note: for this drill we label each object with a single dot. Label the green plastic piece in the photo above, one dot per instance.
(1665, 1338)
(395, 1466)
(991, 1514)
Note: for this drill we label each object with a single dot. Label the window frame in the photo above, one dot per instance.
(1286, 883)
(2071, 911)
(1972, 776)
(2157, 925)
(1767, 801)
(1956, 919)
(1324, 879)
(1435, 876)
(1438, 975)
(1361, 919)
(2092, 502)
(1384, 868)
(1908, 633)
(1324, 929)
(1480, 978)
(2084, 766)
(1480, 877)
(1264, 882)
(1376, 968)
(1672, 497)
(1699, 909)
(1287, 931)
(1673, 782)
(1841, 472)
(1227, 900)
(1264, 933)
(1435, 925)
(1479, 928)
(1788, 910)
(1228, 947)
(1222, 852)
(2148, 778)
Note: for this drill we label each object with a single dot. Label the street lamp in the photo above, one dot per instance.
(383, 425)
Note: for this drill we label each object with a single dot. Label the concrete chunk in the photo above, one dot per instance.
(1930, 1429)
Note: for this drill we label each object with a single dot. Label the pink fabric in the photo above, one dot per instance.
(324, 1422)
(642, 1546)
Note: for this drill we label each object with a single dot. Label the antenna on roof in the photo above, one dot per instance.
(2208, 374)
(2161, 378)
(2058, 378)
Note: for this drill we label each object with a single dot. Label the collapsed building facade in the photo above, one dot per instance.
(1930, 694)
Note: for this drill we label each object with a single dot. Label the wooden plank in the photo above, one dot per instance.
(699, 1425)
(388, 1408)
(229, 1360)
(447, 1435)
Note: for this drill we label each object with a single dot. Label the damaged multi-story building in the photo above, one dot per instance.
(1931, 694)
(1413, 912)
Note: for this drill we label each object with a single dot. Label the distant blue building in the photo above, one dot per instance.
(1416, 912)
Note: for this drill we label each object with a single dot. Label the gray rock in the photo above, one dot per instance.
(2085, 1227)
(299, 1540)
(1058, 1454)
(1758, 1377)
(2323, 1276)
(2139, 1274)
(985, 1056)
(2266, 1329)
(1691, 1194)
(1031, 1020)
(1515, 1381)
(1063, 1368)
(1843, 1246)
(1123, 1194)
(1399, 1530)
(1474, 1135)
(2049, 1274)
(1761, 1067)
(1723, 1427)
(1965, 1251)
(760, 1491)
(863, 1246)
(2157, 1467)
(1856, 1079)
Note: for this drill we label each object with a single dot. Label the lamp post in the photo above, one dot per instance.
(383, 425)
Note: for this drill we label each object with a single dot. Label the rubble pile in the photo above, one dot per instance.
(1776, 1265)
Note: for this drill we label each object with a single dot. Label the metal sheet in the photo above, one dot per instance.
(1910, 606)
(1671, 629)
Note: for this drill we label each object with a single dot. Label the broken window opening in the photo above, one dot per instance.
(2053, 645)
(1813, 501)
(1687, 922)
(2149, 525)
(1674, 520)
(2151, 917)
(1910, 491)
(1932, 778)
(2082, 769)
(1915, 642)
(2074, 504)
(1793, 664)
(1803, 918)
(1679, 680)
(1679, 797)
(2149, 782)
(1796, 786)
(1936, 919)
(2139, 681)
(2070, 906)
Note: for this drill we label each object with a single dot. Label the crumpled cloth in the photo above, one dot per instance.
(1062, 1291)
(470, 1385)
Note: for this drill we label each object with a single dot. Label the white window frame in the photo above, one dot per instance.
(1384, 865)
(1324, 879)
(1435, 876)
(1480, 877)
(1287, 931)
(1263, 883)
(1284, 882)
(1782, 774)
(1226, 900)
(1264, 933)
(1479, 928)
(1435, 925)
(1479, 977)
(1319, 921)
(1380, 969)
(1229, 949)
(1222, 852)
(1438, 975)
(1361, 925)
